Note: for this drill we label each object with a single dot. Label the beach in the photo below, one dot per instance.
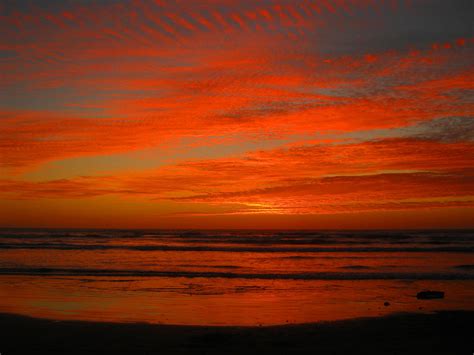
(231, 278)
(437, 333)
(236, 177)
(235, 292)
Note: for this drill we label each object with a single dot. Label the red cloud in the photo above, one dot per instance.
(112, 78)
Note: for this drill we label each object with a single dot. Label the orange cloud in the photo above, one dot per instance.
(371, 115)
(388, 174)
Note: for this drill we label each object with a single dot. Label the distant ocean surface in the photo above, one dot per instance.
(231, 277)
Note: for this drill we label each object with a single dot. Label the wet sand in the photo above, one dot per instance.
(447, 332)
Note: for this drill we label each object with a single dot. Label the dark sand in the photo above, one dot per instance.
(440, 333)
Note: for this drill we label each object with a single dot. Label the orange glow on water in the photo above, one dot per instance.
(234, 302)
(244, 277)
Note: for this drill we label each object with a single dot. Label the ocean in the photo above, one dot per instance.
(232, 277)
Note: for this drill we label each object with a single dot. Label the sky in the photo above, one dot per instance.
(237, 114)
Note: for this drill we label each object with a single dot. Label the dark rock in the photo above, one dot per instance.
(429, 295)
(386, 304)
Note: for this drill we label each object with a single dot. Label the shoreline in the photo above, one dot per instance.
(443, 332)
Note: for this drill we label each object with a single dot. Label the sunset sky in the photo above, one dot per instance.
(237, 114)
